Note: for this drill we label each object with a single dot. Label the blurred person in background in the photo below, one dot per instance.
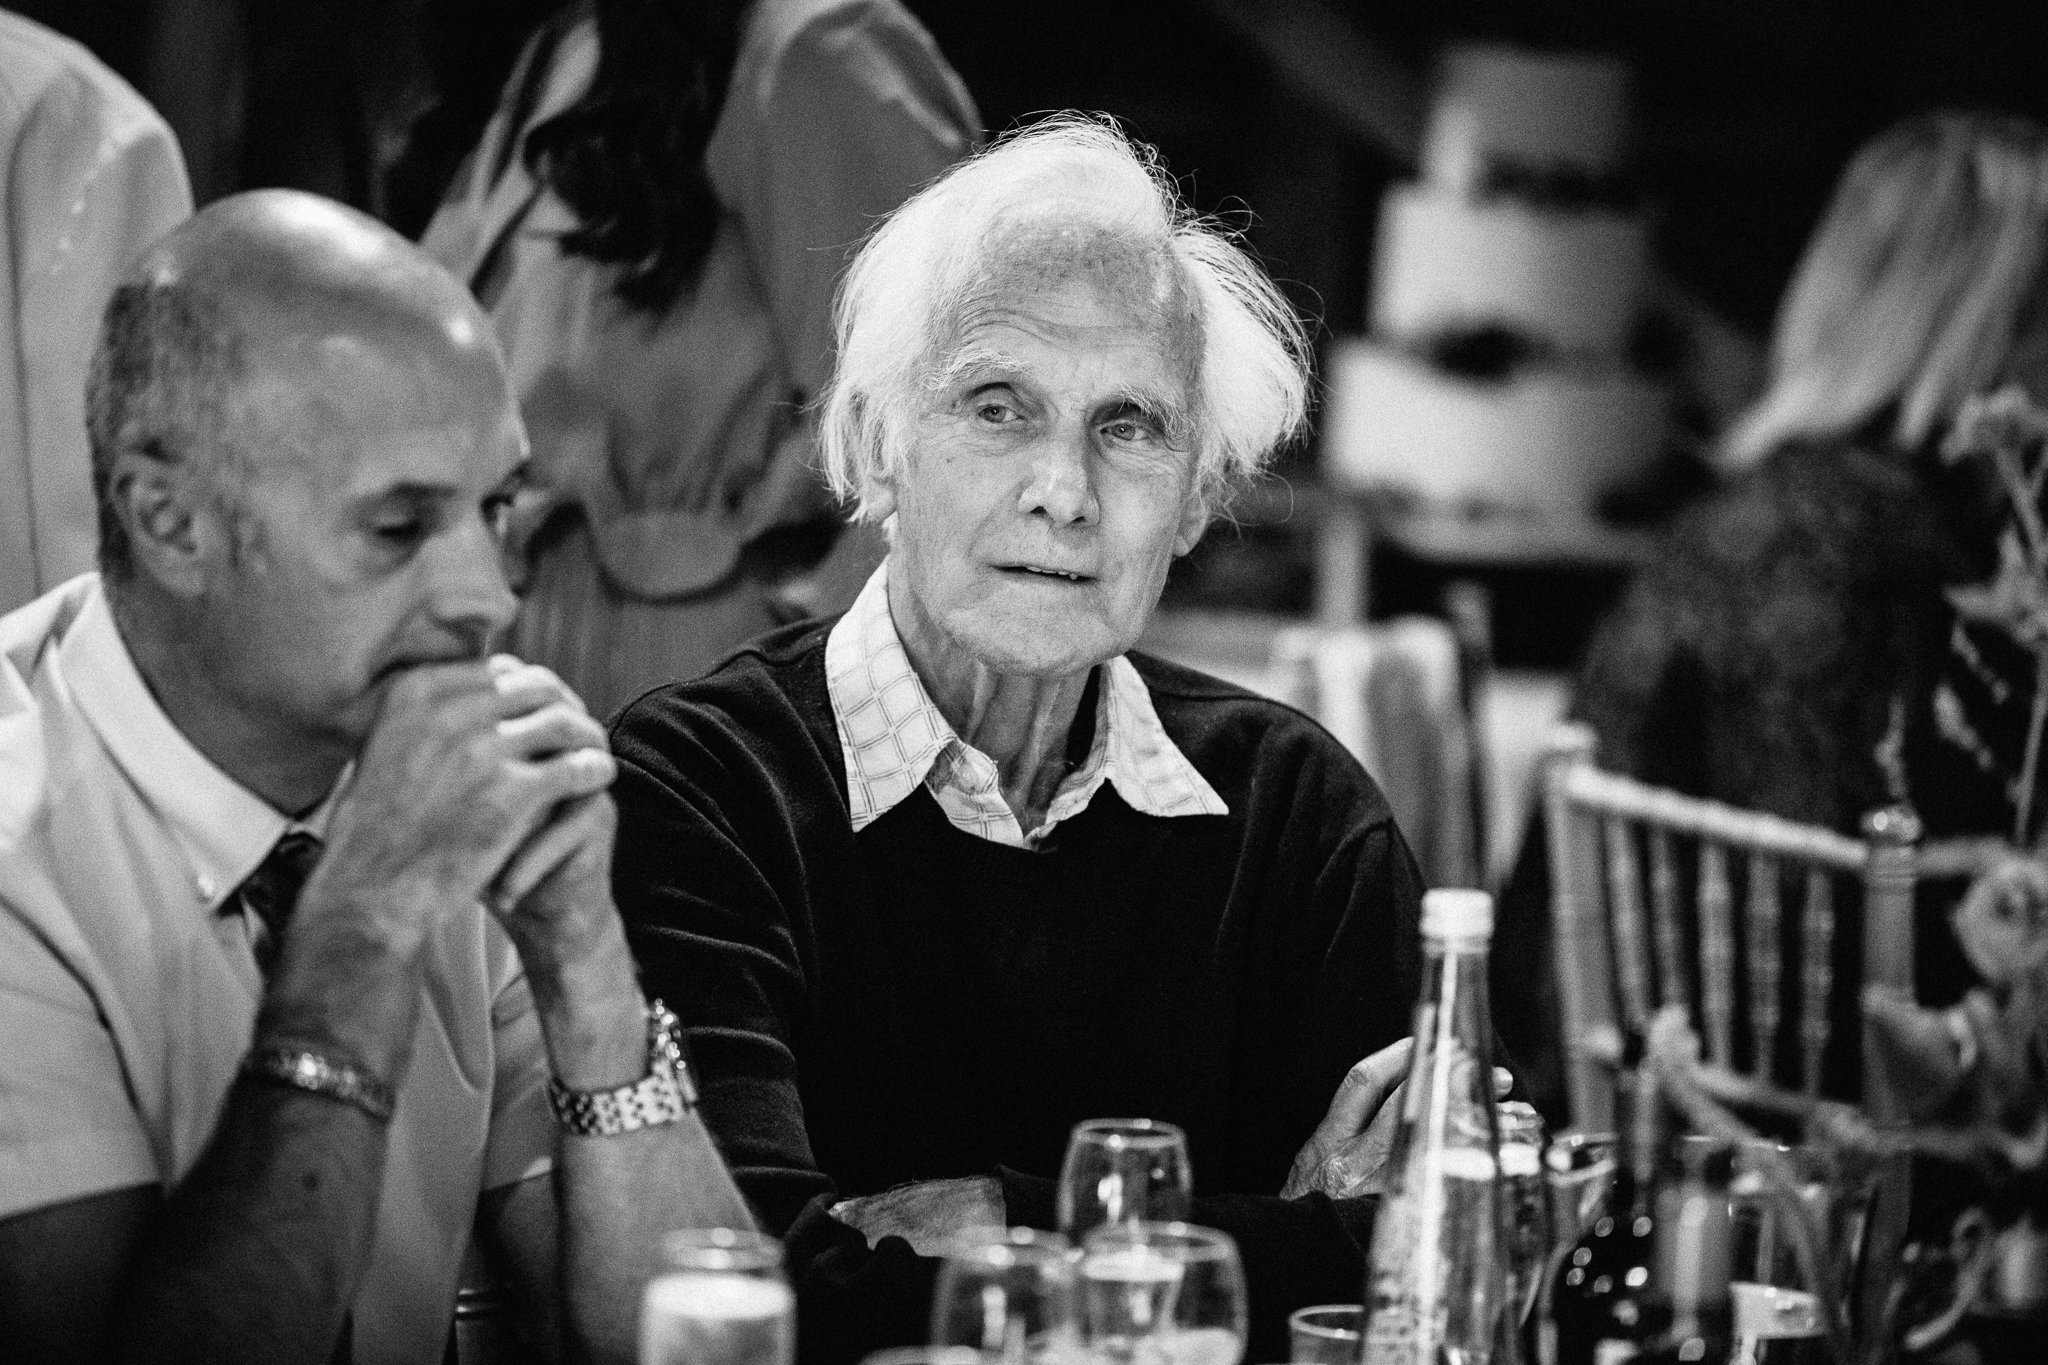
(1792, 647)
(305, 917)
(92, 176)
(656, 218)
(958, 871)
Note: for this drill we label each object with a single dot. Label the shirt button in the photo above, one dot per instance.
(207, 887)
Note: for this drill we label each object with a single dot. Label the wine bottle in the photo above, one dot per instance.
(1436, 1289)
(1649, 1281)
(1597, 1305)
(1689, 1313)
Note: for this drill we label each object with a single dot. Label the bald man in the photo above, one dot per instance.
(308, 959)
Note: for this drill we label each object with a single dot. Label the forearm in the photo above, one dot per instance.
(619, 1195)
(257, 1256)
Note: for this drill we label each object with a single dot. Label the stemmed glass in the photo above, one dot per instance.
(1162, 1294)
(1008, 1295)
(1123, 1171)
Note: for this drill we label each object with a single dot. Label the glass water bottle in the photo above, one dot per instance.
(1436, 1288)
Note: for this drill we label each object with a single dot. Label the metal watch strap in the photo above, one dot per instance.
(664, 1095)
(316, 1073)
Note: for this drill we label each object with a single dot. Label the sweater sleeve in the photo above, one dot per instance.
(703, 870)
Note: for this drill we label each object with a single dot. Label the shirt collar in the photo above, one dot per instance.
(224, 828)
(893, 735)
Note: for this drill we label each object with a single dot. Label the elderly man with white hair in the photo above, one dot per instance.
(934, 882)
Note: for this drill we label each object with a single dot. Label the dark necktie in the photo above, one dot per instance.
(272, 890)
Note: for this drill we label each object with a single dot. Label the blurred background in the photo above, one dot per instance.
(1495, 475)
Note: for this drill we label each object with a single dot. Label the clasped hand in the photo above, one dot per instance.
(480, 780)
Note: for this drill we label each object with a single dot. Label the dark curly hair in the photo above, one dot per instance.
(628, 156)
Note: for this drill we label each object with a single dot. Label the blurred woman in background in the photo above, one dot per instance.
(1792, 647)
(656, 217)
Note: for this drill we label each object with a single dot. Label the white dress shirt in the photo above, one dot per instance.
(894, 739)
(127, 999)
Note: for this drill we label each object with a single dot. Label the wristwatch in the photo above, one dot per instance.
(664, 1095)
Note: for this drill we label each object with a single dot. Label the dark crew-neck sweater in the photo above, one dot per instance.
(913, 1002)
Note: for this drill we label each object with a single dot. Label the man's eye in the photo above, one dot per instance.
(497, 510)
(398, 532)
(996, 414)
(1129, 429)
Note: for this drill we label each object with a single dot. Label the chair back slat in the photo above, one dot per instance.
(1761, 918)
(1650, 908)
(1578, 926)
(1717, 951)
(1666, 917)
(1625, 906)
(1816, 974)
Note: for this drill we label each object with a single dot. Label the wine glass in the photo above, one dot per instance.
(722, 1300)
(1008, 1295)
(1162, 1294)
(1123, 1171)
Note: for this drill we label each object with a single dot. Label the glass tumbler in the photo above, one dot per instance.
(1123, 1171)
(721, 1300)
(1525, 1204)
(1327, 1334)
(1007, 1294)
(1162, 1294)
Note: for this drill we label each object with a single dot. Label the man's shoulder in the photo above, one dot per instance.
(38, 63)
(768, 694)
(32, 720)
(1252, 747)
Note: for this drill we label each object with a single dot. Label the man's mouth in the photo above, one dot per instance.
(1041, 571)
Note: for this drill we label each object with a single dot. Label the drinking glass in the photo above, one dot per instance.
(1578, 1168)
(1327, 1334)
(1123, 1171)
(721, 1300)
(1778, 1313)
(1525, 1204)
(1162, 1294)
(1007, 1294)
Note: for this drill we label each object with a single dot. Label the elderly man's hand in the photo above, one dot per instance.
(1356, 1136)
(927, 1214)
(1349, 1151)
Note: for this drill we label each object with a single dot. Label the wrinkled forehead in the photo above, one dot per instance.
(1134, 279)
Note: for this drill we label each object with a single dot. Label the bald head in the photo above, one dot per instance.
(254, 308)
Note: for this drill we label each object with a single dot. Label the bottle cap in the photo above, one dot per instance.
(1450, 914)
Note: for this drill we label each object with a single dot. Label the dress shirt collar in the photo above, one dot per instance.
(894, 739)
(224, 828)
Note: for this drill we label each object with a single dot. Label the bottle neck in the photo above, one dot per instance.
(1454, 979)
(1641, 1110)
(1694, 1251)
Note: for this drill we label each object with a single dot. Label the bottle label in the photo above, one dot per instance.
(1614, 1351)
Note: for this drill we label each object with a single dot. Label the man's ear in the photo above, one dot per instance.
(878, 497)
(174, 532)
(1194, 519)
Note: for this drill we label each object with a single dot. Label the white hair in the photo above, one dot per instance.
(1069, 180)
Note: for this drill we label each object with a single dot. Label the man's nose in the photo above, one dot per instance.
(468, 592)
(1062, 486)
